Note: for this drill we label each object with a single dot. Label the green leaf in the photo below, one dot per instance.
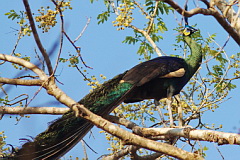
(103, 17)
(152, 119)
(141, 50)
(205, 148)
(12, 15)
(130, 40)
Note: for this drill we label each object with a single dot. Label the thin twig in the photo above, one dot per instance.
(90, 147)
(141, 8)
(85, 77)
(155, 47)
(111, 2)
(35, 94)
(84, 150)
(85, 27)
(40, 60)
(219, 151)
(61, 36)
(152, 17)
(15, 46)
(10, 104)
(220, 50)
(78, 49)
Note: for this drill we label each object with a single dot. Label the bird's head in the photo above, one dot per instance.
(188, 30)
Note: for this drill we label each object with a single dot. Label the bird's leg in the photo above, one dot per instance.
(169, 103)
(180, 111)
(156, 102)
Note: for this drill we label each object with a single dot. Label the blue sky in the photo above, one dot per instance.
(103, 50)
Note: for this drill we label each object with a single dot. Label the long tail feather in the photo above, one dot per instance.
(64, 133)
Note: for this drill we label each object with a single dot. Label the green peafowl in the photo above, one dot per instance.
(162, 77)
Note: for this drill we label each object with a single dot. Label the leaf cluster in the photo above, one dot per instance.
(24, 25)
(47, 17)
(3, 147)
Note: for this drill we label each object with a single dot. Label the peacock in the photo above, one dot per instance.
(161, 77)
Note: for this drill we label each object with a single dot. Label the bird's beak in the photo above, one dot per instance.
(188, 30)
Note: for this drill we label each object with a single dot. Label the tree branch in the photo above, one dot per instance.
(128, 124)
(23, 82)
(194, 134)
(49, 83)
(133, 139)
(61, 36)
(24, 63)
(155, 47)
(130, 149)
(152, 18)
(36, 37)
(229, 13)
(83, 30)
(119, 154)
(211, 11)
(33, 110)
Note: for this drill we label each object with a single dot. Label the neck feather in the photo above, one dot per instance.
(195, 59)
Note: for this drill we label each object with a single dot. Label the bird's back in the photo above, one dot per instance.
(153, 81)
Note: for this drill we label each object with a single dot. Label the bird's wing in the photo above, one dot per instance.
(161, 67)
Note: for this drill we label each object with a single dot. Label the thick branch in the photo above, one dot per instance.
(23, 82)
(33, 110)
(229, 13)
(24, 63)
(133, 139)
(36, 37)
(49, 83)
(211, 11)
(194, 134)
(54, 90)
(128, 124)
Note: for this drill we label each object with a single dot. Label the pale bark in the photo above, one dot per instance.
(146, 35)
(195, 134)
(185, 132)
(132, 139)
(23, 82)
(24, 63)
(33, 110)
(227, 10)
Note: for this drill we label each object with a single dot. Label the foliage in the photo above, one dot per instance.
(103, 17)
(125, 12)
(205, 92)
(25, 28)
(3, 147)
(47, 17)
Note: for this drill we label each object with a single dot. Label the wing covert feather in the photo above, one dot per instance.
(157, 67)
